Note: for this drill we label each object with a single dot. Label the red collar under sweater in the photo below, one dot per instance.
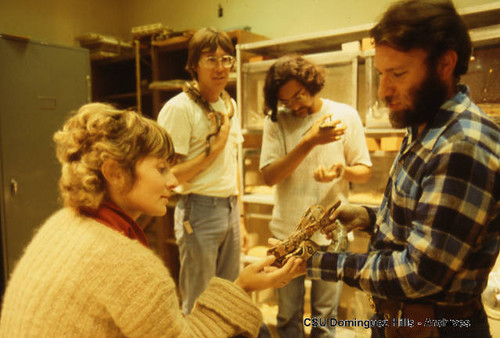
(112, 216)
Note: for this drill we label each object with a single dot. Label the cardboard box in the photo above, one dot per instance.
(373, 144)
(390, 143)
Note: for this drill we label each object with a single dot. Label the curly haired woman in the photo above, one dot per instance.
(89, 272)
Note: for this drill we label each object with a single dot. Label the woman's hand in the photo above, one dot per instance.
(261, 275)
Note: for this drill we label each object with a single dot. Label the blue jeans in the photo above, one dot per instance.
(212, 248)
(325, 297)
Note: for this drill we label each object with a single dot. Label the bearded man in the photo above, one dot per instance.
(435, 237)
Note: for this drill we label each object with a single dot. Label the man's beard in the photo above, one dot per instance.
(427, 99)
(307, 109)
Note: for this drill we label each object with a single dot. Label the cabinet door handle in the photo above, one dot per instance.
(89, 88)
(14, 187)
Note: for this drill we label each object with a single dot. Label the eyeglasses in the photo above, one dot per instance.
(227, 61)
(300, 96)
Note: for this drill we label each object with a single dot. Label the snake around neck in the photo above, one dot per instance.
(193, 92)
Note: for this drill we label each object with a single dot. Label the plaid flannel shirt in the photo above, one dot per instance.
(437, 231)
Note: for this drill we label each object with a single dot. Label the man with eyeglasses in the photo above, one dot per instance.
(205, 130)
(312, 148)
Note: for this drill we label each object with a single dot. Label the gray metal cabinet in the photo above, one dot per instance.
(39, 85)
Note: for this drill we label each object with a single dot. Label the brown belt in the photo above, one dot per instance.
(404, 319)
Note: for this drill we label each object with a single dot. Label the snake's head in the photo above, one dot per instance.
(298, 243)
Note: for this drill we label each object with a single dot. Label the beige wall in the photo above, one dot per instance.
(60, 21)
(272, 18)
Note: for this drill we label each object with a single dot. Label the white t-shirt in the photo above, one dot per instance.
(188, 125)
(300, 190)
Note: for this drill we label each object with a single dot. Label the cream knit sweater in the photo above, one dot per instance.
(79, 278)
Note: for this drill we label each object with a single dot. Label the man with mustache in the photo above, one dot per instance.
(312, 148)
(435, 237)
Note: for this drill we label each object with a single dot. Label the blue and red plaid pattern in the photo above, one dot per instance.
(437, 232)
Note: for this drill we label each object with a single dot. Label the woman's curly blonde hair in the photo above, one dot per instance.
(98, 132)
